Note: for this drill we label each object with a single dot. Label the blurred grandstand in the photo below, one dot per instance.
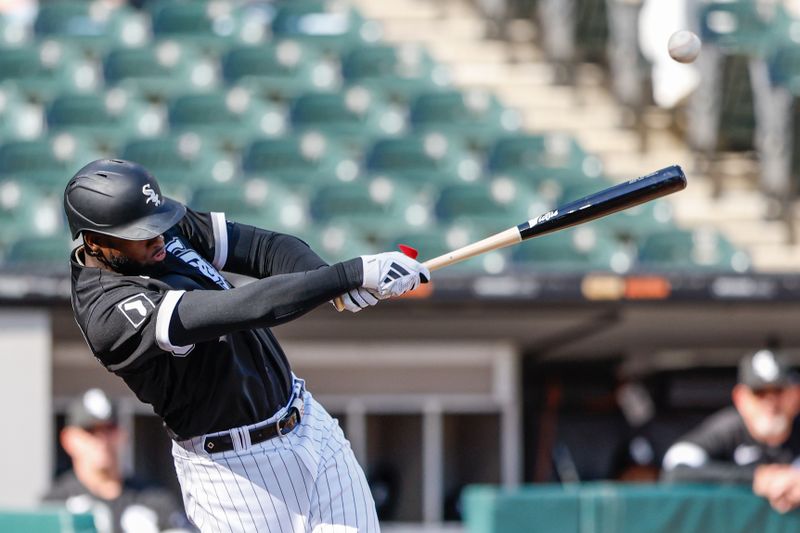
(306, 120)
(359, 126)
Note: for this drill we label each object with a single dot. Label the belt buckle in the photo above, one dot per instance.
(288, 422)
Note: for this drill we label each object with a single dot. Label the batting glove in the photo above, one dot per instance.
(392, 274)
(358, 299)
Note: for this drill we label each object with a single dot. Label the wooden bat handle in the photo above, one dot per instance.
(495, 242)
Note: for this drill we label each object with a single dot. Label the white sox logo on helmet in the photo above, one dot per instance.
(152, 196)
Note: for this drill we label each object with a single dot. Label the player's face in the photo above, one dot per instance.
(146, 252)
(769, 412)
(130, 257)
(96, 448)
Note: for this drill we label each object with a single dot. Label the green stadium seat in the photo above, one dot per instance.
(25, 212)
(557, 185)
(19, 118)
(401, 72)
(422, 160)
(379, 207)
(330, 26)
(494, 205)
(181, 162)
(299, 162)
(49, 252)
(475, 116)
(93, 26)
(41, 71)
(228, 118)
(702, 249)
(208, 25)
(354, 116)
(256, 202)
(335, 243)
(784, 67)
(537, 154)
(737, 27)
(284, 69)
(162, 71)
(47, 162)
(586, 248)
(107, 120)
(14, 33)
(639, 221)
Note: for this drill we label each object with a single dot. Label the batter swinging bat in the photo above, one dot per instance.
(622, 196)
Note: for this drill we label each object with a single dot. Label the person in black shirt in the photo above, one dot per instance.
(754, 442)
(253, 450)
(96, 485)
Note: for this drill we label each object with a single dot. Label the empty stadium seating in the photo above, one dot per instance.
(285, 112)
(282, 69)
(400, 72)
(162, 70)
(229, 118)
(255, 202)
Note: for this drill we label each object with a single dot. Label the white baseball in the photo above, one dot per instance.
(684, 46)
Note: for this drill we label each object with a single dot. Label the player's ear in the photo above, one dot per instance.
(739, 396)
(70, 439)
(93, 242)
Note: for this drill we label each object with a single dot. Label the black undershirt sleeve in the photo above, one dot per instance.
(203, 315)
(718, 435)
(260, 253)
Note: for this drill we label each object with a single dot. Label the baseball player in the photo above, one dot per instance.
(756, 441)
(96, 484)
(253, 450)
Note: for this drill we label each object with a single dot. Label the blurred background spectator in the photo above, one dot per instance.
(755, 442)
(120, 504)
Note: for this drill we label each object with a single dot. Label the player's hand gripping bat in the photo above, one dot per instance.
(622, 196)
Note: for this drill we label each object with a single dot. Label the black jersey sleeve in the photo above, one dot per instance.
(719, 434)
(261, 253)
(244, 249)
(207, 234)
(121, 328)
(706, 454)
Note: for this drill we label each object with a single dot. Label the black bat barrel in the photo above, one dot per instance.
(634, 192)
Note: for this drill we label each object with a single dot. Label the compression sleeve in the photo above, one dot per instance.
(261, 253)
(203, 315)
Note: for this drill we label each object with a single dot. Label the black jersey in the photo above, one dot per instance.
(197, 350)
(729, 453)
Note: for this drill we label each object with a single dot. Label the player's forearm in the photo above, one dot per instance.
(260, 253)
(205, 315)
(713, 472)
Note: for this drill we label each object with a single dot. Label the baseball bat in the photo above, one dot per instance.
(606, 202)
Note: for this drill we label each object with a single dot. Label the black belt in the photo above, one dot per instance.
(284, 426)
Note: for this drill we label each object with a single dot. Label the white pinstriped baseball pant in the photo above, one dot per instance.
(305, 482)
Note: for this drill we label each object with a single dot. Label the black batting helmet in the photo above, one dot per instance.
(118, 198)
